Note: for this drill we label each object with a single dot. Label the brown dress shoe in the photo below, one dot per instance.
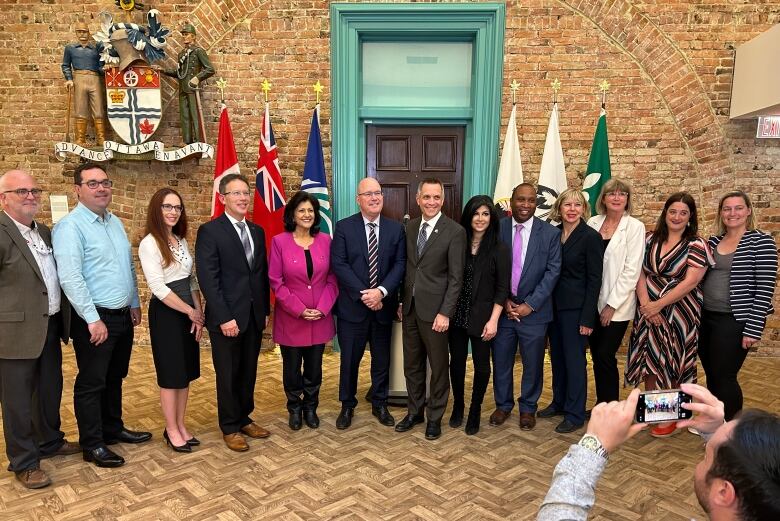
(33, 478)
(499, 416)
(67, 448)
(253, 430)
(527, 421)
(235, 442)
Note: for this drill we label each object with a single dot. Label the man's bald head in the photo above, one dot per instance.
(20, 209)
(369, 198)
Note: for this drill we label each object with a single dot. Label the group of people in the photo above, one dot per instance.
(494, 283)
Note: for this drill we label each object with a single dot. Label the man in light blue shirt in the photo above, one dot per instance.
(95, 267)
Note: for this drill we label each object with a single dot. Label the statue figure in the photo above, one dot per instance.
(193, 68)
(83, 72)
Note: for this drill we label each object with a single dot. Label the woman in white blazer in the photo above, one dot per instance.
(624, 246)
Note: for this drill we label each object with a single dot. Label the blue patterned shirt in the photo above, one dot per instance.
(94, 262)
(80, 58)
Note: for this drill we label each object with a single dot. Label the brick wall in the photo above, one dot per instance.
(669, 65)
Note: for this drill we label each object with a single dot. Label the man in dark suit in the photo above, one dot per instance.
(368, 256)
(34, 316)
(436, 248)
(233, 276)
(536, 265)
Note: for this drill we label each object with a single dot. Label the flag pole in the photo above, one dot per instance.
(221, 84)
(604, 87)
(556, 86)
(266, 86)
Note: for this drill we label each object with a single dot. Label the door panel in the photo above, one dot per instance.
(400, 157)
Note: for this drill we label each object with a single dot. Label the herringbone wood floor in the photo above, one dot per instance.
(366, 472)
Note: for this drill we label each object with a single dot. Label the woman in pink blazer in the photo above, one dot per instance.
(305, 288)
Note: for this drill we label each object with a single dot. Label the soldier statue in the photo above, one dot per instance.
(83, 72)
(193, 68)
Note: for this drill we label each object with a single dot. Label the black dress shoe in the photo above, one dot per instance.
(433, 431)
(408, 422)
(176, 448)
(345, 418)
(128, 436)
(472, 422)
(296, 421)
(311, 419)
(549, 412)
(566, 427)
(194, 441)
(103, 457)
(383, 415)
(456, 418)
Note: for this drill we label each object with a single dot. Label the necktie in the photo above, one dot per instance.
(422, 238)
(245, 242)
(517, 258)
(373, 257)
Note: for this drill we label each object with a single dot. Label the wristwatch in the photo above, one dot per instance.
(592, 443)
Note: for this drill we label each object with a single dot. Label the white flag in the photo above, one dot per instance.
(552, 174)
(510, 171)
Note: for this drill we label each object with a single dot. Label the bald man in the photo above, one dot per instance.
(368, 256)
(34, 316)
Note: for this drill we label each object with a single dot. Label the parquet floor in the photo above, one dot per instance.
(366, 472)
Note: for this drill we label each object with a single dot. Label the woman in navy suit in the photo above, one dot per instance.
(575, 309)
(484, 291)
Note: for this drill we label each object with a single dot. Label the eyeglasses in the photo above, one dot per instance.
(375, 193)
(617, 193)
(172, 208)
(23, 192)
(105, 183)
(238, 193)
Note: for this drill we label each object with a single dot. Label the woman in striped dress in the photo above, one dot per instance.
(662, 350)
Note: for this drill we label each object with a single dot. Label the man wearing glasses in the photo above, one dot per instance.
(368, 256)
(95, 266)
(233, 276)
(34, 317)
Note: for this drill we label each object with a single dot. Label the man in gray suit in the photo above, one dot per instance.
(435, 250)
(34, 316)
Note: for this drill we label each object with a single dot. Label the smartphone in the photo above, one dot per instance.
(662, 406)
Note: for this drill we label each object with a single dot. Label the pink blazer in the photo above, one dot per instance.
(295, 292)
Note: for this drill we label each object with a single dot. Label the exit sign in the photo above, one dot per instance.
(768, 127)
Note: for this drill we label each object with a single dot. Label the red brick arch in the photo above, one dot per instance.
(674, 77)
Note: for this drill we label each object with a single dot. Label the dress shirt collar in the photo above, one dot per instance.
(366, 220)
(432, 223)
(526, 225)
(233, 220)
(23, 228)
(92, 216)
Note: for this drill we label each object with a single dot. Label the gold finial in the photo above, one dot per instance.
(318, 89)
(604, 86)
(221, 84)
(513, 87)
(556, 86)
(266, 86)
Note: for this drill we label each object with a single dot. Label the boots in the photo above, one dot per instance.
(100, 132)
(81, 131)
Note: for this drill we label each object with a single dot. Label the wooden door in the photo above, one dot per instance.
(400, 157)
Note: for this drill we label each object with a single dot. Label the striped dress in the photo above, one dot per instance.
(668, 351)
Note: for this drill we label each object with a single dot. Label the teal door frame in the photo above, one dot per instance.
(351, 24)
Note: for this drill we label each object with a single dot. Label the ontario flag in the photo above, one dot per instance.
(269, 190)
(227, 160)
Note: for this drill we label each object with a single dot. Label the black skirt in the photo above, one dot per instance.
(175, 351)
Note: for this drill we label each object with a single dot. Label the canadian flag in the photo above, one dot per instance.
(227, 161)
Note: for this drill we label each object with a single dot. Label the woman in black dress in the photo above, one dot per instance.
(175, 311)
(485, 288)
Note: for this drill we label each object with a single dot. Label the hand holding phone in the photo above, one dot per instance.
(662, 406)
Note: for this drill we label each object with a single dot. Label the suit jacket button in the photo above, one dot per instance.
(308, 287)
(45, 292)
(45, 315)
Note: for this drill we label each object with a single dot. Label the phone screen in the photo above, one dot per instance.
(662, 406)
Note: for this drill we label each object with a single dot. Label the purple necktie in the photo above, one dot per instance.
(517, 258)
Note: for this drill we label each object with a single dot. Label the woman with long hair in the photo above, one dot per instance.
(738, 293)
(485, 289)
(175, 311)
(574, 306)
(664, 340)
(623, 240)
(306, 290)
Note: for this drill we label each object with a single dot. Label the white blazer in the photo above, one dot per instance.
(622, 265)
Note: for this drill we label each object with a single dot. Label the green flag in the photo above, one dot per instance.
(598, 171)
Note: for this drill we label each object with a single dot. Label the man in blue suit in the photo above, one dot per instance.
(536, 265)
(368, 256)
